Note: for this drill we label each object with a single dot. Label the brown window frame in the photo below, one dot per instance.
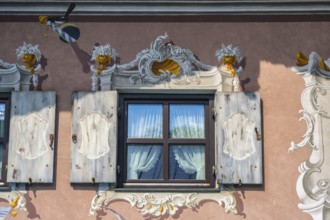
(5, 98)
(166, 141)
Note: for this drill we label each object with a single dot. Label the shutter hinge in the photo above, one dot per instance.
(120, 111)
(72, 99)
(118, 170)
(214, 171)
(214, 113)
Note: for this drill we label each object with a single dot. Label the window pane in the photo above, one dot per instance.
(144, 162)
(2, 119)
(187, 121)
(145, 120)
(187, 162)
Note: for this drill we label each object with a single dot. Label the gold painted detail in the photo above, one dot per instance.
(13, 204)
(15, 199)
(169, 204)
(29, 55)
(43, 19)
(302, 59)
(229, 62)
(323, 65)
(162, 204)
(229, 56)
(169, 65)
(29, 61)
(103, 61)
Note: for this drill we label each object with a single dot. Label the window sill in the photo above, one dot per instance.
(160, 202)
(168, 190)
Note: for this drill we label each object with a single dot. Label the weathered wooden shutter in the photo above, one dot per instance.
(31, 137)
(238, 138)
(94, 137)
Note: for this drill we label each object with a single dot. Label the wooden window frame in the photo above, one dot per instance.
(166, 141)
(5, 98)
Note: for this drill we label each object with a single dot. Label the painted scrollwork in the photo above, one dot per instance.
(308, 136)
(315, 93)
(149, 204)
(162, 66)
(9, 75)
(15, 196)
(158, 53)
(160, 204)
(313, 186)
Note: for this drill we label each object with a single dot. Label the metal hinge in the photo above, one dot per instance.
(214, 113)
(118, 170)
(214, 171)
(120, 111)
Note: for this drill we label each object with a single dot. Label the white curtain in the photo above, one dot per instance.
(144, 121)
(191, 159)
(142, 159)
(187, 121)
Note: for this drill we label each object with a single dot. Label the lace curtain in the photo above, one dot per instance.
(144, 121)
(187, 121)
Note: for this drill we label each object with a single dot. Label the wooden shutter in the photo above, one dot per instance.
(94, 137)
(31, 137)
(238, 138)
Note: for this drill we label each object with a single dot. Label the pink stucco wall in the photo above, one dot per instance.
(269, 48)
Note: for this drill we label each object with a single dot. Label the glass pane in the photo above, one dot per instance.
(145, 121)
(2, 119)
(187, 121)
(187, 162)
(144, 162)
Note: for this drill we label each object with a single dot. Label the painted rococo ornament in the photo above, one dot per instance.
(313, 184)
(16, 199)
(102, 55)
(30, 55)
(228, 58)
(162, 204)
(164, 62)
(162, 66)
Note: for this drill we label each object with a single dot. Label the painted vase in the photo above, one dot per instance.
(103, 61)
(29, 60)
(229, 61)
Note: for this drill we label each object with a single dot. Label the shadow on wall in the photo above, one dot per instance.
(83, 57)
(31, 209)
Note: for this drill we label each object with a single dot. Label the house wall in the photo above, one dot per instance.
(269, 47)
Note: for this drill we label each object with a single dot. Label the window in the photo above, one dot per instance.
(166, 141)
(4, 128)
